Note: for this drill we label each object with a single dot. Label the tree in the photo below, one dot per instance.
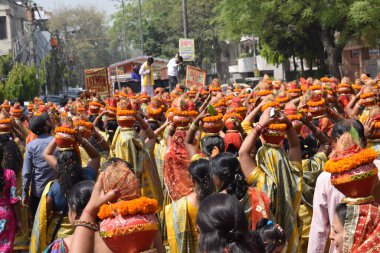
(306, 29)
(83, 43)
(22, 83)
(162, 25)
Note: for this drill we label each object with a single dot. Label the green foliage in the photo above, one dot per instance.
(302, 28)
(22, 83)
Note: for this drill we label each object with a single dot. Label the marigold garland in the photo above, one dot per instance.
(153, 111)
(282, 100)
(192, 92)
(83, 123)
(363, 157)
(171, 109)
(325, 80)
(294, 91)
(295, 117)
(264, 93)
(93, 103)
(240, 109)
(213, 118)
(215, 88)
(5, 106)
(377, 125)
(65, 130)
(315, 87)
(357, 87)
(219, 104)
(242, 95)
(367, 95)
(111, 108)
(316, 103)
(5, 121)
(126, 113)
(185, 113)
(232, 115)
(344, 85)
(330, 92)
(142, 205)
(270, 104)
(278, 126)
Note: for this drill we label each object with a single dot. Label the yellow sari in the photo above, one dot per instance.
(311, 167)
(180, 221)
(281, 180)
(44, 226)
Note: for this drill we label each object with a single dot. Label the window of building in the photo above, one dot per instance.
(355, 53)
(3, 28)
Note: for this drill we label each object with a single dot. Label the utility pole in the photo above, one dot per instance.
(125, 30)
(32, 59)
(141, 29)
(184, 17)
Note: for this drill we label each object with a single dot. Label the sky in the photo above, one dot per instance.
(107, 5)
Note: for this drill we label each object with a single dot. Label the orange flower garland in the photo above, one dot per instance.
(325, 80)
(282, 99)
(357, 87)
(111, 108)
(264, 93)
(344, 85)
(363, 157)
(367, 95)
(65, 130)
(83, 123)
(5, 121)
(215, 88)
(278, 126)
(330, 92)
(316, 103)
(270, 104)
(377, 125)
(219, 104)
(240, 109)
(295, 117)
(95, 104)
(142, 205)
(171, 109)
(294, 91)
(154, 112)
(230, 115)
(185, 113)
(126, 113)
(213, 118)
(315, 87)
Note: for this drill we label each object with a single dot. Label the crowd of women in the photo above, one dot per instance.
(283, 167)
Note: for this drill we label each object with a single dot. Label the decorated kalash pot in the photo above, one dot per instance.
(293, 90)
(192, 93)
(368, 97)
(219, 105)
(232, 136)
(352, 169)
(215, 87)
(213, 124)
(94, 107)
(6, 106)
(125, 116)
(282, 98)
(275, 132)
(84, 127)
(344, 94)
(265, 89)
(237, 107)
(144, 100)
(65, 136)
(16, 112)
(111, 109)
(154, 110)
(316, 104)
(5, 124)
(128, 225)
(184, 113)
(290, 111)
(357, 86)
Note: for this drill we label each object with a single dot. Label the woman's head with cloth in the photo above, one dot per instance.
(227, 175)
(223, 226)
(337, 227)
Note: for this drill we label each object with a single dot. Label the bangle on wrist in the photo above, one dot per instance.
(86, 224)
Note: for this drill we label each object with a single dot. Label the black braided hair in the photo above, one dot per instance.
(200, 173)
(12, 157)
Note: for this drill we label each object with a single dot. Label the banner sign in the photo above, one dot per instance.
(96, 79)
(195, 76)
(187, 49)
